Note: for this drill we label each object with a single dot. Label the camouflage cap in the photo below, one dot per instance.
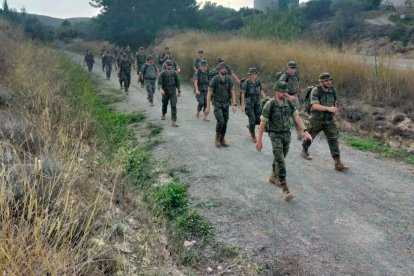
(141, 48)
(292, 64)
(219, 60)
(325, 76)
(203, 62)
(253, 70)
(200, 51)
(169, 63)
(221, 65)
(150, 57)
(281, 86)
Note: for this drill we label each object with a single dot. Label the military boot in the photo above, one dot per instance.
(339, 166)
(151, 102)
(163, 117)
(174, 124)
(217, 141)
(305, 154)
(253, 135)
(223, 141)
(273, 177)
(286, 193)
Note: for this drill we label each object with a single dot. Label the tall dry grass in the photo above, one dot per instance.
(354, 76)
(47, 210)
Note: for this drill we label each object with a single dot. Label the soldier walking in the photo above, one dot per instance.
(324, 107)
(169, 86)
(124, 72)
(252, 92)
(140, 59)
(276, 114)
(107, 60)
(198, 59)
(89, 60)
(201, 82)
(148, 74)
(221, 92)
(164, 56)
(291, 77)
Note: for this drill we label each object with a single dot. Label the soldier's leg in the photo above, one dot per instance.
(218, 114)
(252, 120)
(173, 101)
(278, 155)
(257, 113)
(165, 99)
(152, 89)
(332, 135)
(199, 102)
(204, 96)
(127, 80)
(226, 112)
(148, 87)
(314, 128)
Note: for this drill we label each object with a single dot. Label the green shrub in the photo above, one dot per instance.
(171, 200)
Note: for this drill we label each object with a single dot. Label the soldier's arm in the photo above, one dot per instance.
(243, 95)
(301, 125)
(316, 105)
(196, 84)
(209, 95)
(264, 118)
(235, 78)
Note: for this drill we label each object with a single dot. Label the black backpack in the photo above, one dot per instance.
(308, 106)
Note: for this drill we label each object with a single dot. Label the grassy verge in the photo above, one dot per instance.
(379, 147)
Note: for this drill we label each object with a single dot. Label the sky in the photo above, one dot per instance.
(81, 8)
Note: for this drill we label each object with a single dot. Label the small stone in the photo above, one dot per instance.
(209, 270)
(219, 267)
(188, 244)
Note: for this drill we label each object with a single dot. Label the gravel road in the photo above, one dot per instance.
(355, 223)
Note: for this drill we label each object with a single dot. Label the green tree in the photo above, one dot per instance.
(137, 21)
(318, 10)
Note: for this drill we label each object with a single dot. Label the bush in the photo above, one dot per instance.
(171, 200)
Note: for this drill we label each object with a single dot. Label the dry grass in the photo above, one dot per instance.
(355, 77)
(46, 214)
(80, 46)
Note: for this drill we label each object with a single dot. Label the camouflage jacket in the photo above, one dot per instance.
(278, 116)
(169, 81)
(221, 91)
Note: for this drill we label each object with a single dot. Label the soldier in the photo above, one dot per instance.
(107, 60)
(89, 60)
(291, 77)
(324, 107)
(230, 72)
(149, 73)
(198, 59)
(103, 50)
(220, 92)
(140, 59)
(128, 52)
(169, 85)
(276, 114)
(164, 56)
(124, 72)
(201, 82)
(252, 91)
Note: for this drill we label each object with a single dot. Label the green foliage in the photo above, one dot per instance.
(379, 147)
(171, 200)
(136, 22)
(195, 223)
(398, 33)
(317, 10)
(283, 25)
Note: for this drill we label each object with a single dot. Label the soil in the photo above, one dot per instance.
(359, 222)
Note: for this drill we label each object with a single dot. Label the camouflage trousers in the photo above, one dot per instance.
(202, 100)
(150, 87)
(253, 112)
(222, 116)
(170, 96)
(125, 80)
(90, 66)
(280, 147)
(331, 132)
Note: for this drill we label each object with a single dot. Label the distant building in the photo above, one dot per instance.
(262, 5)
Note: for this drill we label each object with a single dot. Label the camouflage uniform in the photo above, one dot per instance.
(149, 74)
(107, 62)
(323, 121)
(252, 102)
(221, 101)
(278, 118)
(170, 83)
(125, 74)
(89, 60)
(140, 59)
(203, 83)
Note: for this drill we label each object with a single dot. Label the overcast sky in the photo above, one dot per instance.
(81, 8)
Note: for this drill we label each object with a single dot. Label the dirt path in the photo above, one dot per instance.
(355, 223)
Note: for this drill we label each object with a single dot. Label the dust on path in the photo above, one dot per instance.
(360, 222)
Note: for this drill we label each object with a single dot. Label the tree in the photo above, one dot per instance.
(136, 22)
(318, 10)
(5, 7)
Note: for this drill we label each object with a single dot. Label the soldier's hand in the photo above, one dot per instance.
(234, 109)
(333, 109)
(259, 145)
(179, 94)
(308, 137)
(243, 108)
(162, 91)
(198, 93)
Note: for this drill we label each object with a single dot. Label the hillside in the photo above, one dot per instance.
(55, 22)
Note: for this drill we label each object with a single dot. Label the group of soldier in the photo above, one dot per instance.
(216, 87)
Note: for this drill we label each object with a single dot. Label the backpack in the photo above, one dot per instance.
(278, 75)
(308, 106)
(272, 104)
